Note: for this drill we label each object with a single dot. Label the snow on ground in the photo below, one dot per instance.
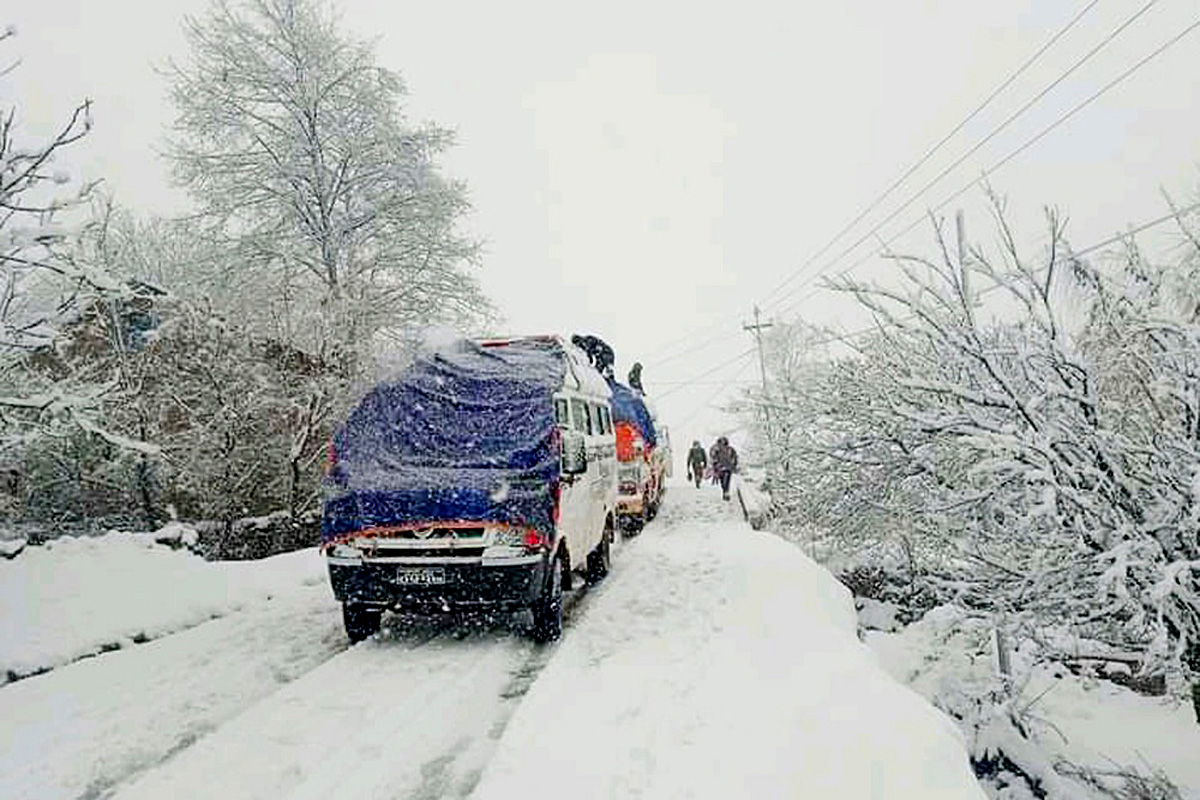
(76, 596)
(80, 729)
(714, 662)
(1085, 721)
(718, 662)
(394, 717)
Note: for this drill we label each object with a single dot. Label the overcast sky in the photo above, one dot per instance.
(648, 171)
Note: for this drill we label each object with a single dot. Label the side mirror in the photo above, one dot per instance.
(574, 453)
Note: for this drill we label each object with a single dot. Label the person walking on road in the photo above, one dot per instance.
(724, 463)
(697, 460)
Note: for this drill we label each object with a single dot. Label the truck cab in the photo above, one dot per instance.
(482, 479)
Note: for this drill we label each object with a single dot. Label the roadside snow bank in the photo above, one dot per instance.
(80, 730)
(718, 662)
(76, 596)
(1072, 720)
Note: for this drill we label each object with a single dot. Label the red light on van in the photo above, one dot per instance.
(534, 540)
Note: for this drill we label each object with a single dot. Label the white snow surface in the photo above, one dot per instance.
(713, 662)
(81, 729)
(718, 662)
(1077, 719)
(74, 596)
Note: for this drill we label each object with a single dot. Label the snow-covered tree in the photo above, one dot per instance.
(1028, 425)
(326, 225)
(42, 287)
(338, 221)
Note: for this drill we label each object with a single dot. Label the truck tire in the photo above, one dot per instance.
(631, 525)
(548, 609)
(599, 560)
(361, 621)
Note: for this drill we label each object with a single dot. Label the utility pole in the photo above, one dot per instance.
(762, 364)
(757, 328)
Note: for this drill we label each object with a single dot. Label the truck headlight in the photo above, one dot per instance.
(345, 551)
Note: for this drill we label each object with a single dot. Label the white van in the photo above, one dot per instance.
(484, 478)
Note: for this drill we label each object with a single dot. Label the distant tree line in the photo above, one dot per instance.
(193, 366)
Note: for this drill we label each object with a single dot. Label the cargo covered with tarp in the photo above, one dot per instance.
(466, 434)
(628, 407)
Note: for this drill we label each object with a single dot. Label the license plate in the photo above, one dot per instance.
(421, 576)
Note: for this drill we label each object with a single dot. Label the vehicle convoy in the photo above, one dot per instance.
(483, 479)
(643, 455)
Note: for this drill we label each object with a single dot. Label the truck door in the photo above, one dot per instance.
(575, 497)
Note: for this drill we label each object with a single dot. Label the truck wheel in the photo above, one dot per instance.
(650, 506)
(599, 560)
(631, 525)
(548, 609)
(361, 621)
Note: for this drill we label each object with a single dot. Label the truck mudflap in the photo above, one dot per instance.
(442, 584)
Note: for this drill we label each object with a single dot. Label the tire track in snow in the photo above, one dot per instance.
(391, 717)
(414, 713)
(79, 730)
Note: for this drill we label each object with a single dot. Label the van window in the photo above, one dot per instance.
(560, 413)
(604, 415)
(579, 415)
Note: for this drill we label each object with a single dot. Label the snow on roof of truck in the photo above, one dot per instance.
(586, 377)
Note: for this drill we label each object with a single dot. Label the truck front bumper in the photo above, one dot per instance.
(444, 585)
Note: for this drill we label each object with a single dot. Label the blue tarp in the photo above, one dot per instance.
(465, 434)
(628, 407)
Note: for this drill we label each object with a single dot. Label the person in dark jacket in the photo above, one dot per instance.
(724, 463)
(697, 460)
(598, 352)
(635, 377)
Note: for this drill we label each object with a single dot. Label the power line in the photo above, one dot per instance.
(710, 397)
(845, 337)
(1135, 231)
(995, 167)
(707, 372)
(1002, 162)
(991, 135)
(938, 146)
(721, 334)
(921, 162)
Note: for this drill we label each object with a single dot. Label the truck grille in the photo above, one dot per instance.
(425, 534)
(423, 552)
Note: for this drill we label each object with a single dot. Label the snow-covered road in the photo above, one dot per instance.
(713, 662)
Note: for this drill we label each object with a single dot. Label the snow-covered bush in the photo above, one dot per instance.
(992, 434)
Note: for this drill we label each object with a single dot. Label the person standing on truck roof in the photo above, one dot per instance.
(598, 352)
(635, 377)
(697, 460)
(725, 462)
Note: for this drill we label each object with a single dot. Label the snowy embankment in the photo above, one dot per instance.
(718, 662)
(218, 637)
(77, 596)
(1074, 721)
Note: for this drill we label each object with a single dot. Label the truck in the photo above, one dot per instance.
(643, 457)
(482, 479)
